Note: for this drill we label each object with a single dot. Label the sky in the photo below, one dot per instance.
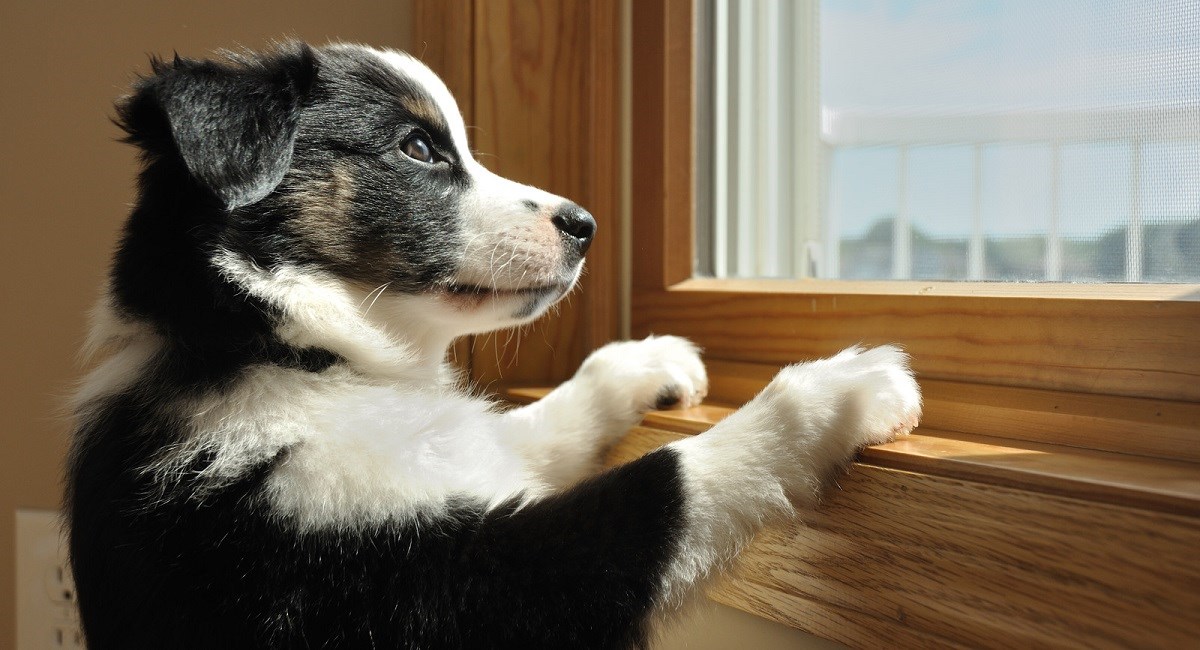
(955, 57)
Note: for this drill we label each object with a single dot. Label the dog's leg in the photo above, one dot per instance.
(780, 449)
(604, 555)
(563, 434)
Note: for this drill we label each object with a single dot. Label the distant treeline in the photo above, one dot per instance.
(1170, 253)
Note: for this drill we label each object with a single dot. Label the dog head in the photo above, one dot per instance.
(340, 174)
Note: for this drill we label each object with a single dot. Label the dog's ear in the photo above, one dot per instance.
(233, 123)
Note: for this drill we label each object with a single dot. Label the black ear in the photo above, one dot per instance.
(232, 122)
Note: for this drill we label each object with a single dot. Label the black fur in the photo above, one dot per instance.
(174, 570)
(404, 215)
(214, 137)
(232, 124)
(232, 151)
(226, 146)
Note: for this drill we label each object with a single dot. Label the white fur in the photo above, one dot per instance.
(410, 67)
(509, 246)
(389, 454)
(116, 373)
(358, 451)
(564, 433)
(361, 451)
(779, 450)
(134, 345)
(321, 310)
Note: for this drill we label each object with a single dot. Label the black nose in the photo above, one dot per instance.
(576, 224)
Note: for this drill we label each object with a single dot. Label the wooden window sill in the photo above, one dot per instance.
(1107, 477)
(943, 539)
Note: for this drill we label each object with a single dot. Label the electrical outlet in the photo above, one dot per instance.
(47, 616)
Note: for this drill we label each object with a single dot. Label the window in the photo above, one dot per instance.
(949, 140)
(1064, 341)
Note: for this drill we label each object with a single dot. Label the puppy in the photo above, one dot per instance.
(275, 454)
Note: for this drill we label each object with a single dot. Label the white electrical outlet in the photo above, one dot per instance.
(47, 617)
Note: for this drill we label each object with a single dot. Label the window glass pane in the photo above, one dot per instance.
(1095, 201)
(1170, 190)
(939, 193)
(1016, 196)
(863, 194)
(1011, 140)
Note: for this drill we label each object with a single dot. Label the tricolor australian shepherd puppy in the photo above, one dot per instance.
(274, 452)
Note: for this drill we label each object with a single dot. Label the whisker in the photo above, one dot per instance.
(381, 290)
(369, 294)
(517, 352)
(496, 353)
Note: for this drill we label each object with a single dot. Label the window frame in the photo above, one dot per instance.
(1068, 343)
(543, 111)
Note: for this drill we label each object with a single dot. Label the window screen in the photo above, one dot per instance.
(1011, 140)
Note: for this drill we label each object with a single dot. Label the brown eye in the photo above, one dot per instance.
(417, 148)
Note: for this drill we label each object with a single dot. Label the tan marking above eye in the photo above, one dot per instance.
(425, 110)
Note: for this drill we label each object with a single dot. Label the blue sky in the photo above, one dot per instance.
(937, 57)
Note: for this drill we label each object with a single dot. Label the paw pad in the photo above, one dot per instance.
(668, 397)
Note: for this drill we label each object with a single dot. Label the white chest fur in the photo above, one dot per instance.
(356, 452)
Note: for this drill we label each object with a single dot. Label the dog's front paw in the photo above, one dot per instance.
(854, 399)
(656, 372)
(889, 399)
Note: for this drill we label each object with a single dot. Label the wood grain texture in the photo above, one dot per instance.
(1054, 290)
(1165, 429)
(663, 83)
(546, 91)
(443, 38)
(898, 558)
(1102, 477)
(1105, 477)
(983, 566)
(944, 540)
(1110, 347)
(1150, 427)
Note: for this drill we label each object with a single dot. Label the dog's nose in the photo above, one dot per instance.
(576, 224)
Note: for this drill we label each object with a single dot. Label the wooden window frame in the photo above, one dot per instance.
(543, 111)
(1128, 355)
(1057, 501)
(1054, 414)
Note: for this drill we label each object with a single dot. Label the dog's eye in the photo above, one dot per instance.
(418, 148)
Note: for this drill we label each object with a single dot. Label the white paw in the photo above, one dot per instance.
(784, 445)
(656, 372)
(887, 397)
(856, 398)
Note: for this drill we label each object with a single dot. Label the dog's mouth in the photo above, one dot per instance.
(471, 296)
(474, 290)
(470, 293)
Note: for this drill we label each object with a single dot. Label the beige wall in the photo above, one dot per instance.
(65, 184)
